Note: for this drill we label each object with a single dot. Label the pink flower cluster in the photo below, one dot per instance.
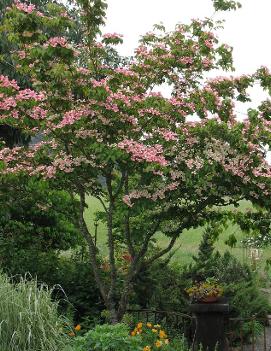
(5, 82)
(194, 163)
(141, 152)
(145, 193)
(209, 43)
(100, 83)
(21, 54)
(83, 70)
(168, 135)
(24, 7)
(112, 36)
(38, 113)
(119, 96)
(8, 103)
(186, 60)
(72, 116)
(55, 41)
(207, 62)
(126, 72)
(151, 111)
(28, 94)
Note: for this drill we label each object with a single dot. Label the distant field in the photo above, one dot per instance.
(189, 240)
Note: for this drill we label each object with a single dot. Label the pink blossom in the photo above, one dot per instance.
(8, 103)
(112, 36)
(168, 135)
(38, 113)
(186, 60)
(206, 62)
(140, 152)
(5, 82)
(209, 43)
(24, 7)
(125, 72)
(39, 14)
(54, 42)
(83, 70)
(72, 116)
(28, 94)
(151, 111)
(21, 54)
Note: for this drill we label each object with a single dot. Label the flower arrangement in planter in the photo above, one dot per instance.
(206, 291)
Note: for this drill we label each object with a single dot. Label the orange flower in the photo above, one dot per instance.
(71, 334)
(147, 348)
(133, 333)
(149, 325)
(139, 325)
(158, 343)
(78, 327)
(162, 334)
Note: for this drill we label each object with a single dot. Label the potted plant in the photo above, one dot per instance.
(206, 291)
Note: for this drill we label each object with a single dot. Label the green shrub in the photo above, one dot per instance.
(36, 223)
(161, 287)
(29, 320)
(108, 338)
(118, 338)
(78, 292)
(240, 284)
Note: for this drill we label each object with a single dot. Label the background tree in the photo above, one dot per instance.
(111, 136)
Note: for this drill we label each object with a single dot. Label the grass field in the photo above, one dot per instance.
(188, 241)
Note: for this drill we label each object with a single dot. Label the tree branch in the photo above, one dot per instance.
(164, 251)
(127, 231)
(120, 185)
(111, 248)
(91, 246)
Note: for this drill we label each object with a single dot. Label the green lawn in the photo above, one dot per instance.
(189, 240)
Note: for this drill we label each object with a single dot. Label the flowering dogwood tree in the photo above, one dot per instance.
(108, 132)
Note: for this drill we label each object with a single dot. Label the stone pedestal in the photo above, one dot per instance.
(210, 325)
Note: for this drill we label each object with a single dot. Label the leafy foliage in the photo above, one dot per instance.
(226, 5)
(36, 222)
(107, 134)
(108, 337)
(118, 338)
(236, 278)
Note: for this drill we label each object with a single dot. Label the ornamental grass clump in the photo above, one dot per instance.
(205, 291)
(29, 320)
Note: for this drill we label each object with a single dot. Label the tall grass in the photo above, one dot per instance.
(29, 320)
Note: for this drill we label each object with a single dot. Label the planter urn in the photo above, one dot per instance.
(211, 319)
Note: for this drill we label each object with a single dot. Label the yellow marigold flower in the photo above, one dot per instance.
(157, 326)
(149, 325)
(154, 330)
(133, 333)
(139, 325)
(158, 343)
(78, 327)
(162, 334)
(147, 348)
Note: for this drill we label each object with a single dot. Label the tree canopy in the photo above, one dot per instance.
(156, 164)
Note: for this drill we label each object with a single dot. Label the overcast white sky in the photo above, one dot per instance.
(247, 30)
